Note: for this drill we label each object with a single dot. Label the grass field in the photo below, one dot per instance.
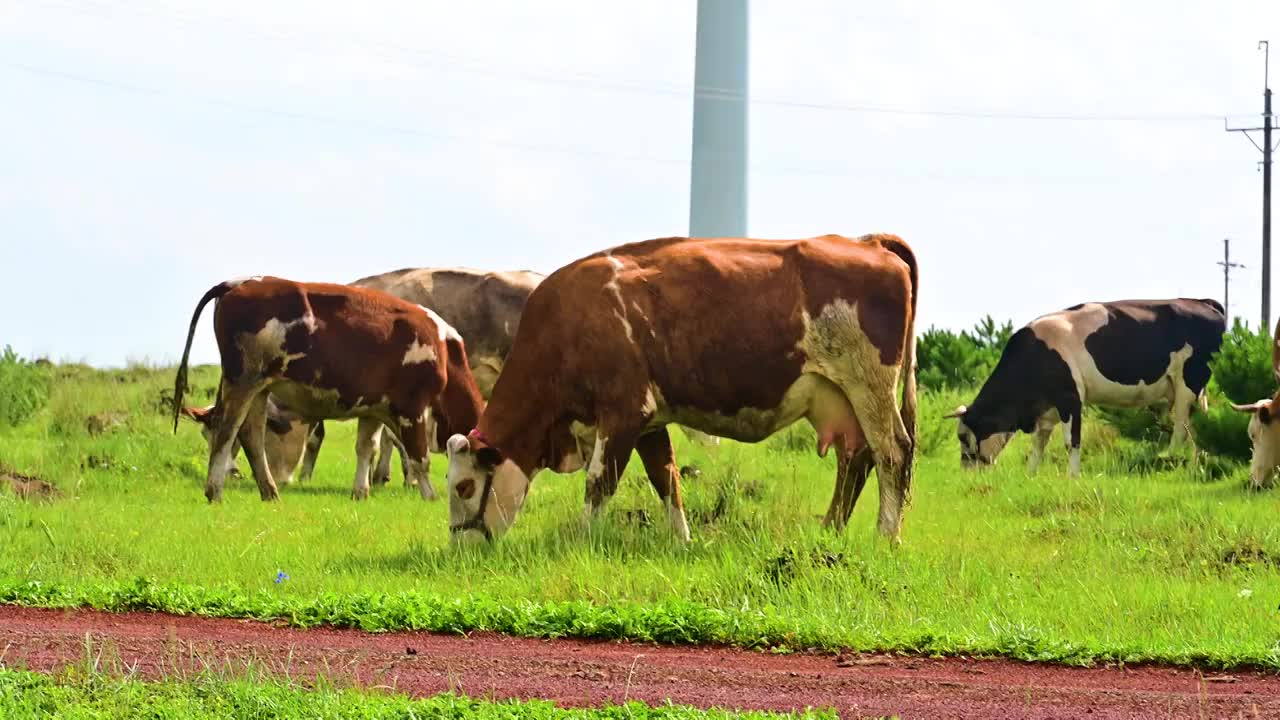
(88, 693)
(1139, 559)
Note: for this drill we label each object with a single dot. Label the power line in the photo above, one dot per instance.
(577, 150)
(575, 78)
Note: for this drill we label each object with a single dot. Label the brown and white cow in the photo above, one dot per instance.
(1264, 426)
(735, 337)
(484, 307)
(330, 351)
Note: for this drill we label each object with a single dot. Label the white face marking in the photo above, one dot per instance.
(419, 353)
(1266, 443)
(509, 487)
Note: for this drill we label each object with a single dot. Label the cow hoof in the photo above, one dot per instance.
(360, 494)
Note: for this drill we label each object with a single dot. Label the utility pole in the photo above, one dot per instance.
(718, 182)
(1227, 265)
(1267, 149)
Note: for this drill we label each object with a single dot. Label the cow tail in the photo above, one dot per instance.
(180, 382)
(898, 247)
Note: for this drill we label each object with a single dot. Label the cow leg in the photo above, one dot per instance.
(871, 397)
(410, 479)
(382, 475)
(366, 446)
(415, 446)
(1184, 401)
(851, 477)
(1073, 440)
(660, 464)
(1044, 430)
(252, 432)
(609, 459)
(235, 401)
(315, 439)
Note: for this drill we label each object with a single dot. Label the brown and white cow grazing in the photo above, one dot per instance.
(1264, 426)
(735, 337)
(330, 351)
(1125, 353)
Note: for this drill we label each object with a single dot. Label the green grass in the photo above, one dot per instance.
(1142, 558)
(87, 694)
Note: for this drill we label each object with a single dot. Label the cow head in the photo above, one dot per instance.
(486, 489)
(1264, 426)
(1264, 432)
(980, 441)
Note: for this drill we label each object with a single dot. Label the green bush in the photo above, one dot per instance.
(1222, 431)
(950, 361)
(1242, 368)
(24, 388)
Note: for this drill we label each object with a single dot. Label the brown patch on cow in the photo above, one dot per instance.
(466, 489)
(27, 487)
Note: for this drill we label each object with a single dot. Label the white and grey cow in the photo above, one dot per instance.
(1122, 354)
(1264, 426)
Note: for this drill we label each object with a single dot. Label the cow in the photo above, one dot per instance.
(330, 351)
(1264, 426)
(1123, 354)
(287, 440)
(484, 307)
(735, 337)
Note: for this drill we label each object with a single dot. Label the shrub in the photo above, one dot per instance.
(1242, 368)
(1222, 431)
(950, 361)
(24, 388)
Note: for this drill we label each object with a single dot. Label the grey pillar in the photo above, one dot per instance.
(718, 187)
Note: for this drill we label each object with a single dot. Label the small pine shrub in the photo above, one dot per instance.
(1242, 367)
(24, 388)
(1222, 431)
(949, 361)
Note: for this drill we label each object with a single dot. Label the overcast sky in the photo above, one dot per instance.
(154, 148)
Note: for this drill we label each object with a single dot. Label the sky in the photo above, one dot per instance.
(1034, 154)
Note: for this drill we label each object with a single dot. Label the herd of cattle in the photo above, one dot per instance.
(515, 372)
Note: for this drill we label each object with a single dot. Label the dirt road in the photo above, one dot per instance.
(588, 673)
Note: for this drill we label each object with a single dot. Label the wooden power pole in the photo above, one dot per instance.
(1267, 149)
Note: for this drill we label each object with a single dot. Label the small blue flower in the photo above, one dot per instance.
(281, 576)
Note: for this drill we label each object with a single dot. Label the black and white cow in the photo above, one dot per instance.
(1124, 354)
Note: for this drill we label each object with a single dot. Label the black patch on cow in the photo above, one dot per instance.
(1030, 379)
(1135, 343)
(1075, 307)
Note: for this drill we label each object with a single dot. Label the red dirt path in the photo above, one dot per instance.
(588, 673)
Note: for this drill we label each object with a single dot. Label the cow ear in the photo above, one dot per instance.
(488, 457)
(201, 415)
(958, 412)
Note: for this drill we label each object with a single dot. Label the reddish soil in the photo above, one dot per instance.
(588, 673)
